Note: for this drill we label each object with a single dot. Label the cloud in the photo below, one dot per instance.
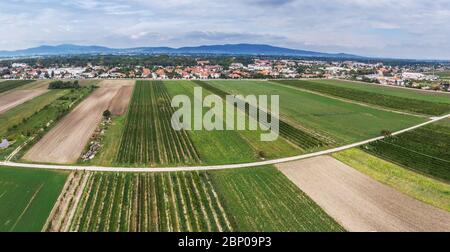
(396, 28)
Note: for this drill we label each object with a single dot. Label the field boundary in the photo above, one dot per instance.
(215, 167)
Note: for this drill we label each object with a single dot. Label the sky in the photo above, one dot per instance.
(383, 28)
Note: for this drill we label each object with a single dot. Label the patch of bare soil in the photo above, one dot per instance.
(14, 98)
(65, 142)
(360, 203)
(119, 103)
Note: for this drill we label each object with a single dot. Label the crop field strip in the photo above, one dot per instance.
(298, 137)
(399, 103)
(11, 84)
(329, 117)
(150, 202)
(186, 201)
(424, 150)
(148, 137)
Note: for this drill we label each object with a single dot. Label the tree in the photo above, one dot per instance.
(107, 114)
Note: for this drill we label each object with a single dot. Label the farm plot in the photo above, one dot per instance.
(27, 197)
(345, 122)
(27, 123)
(360, 203)
(217, 146)
(65, 142)
(300, 138)
(418, 186)
(148, 137)
(186, 201)
(424, 150)
(417, 94)
(264, 200)
(15, 115)
(11, 84)
(383, 100)
(15, 98)
(119, 103)
(149, 202)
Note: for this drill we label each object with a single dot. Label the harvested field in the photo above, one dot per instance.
(65, 142)
(360, 203)
(119, 103)
(14, 98)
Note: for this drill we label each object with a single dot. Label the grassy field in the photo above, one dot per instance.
(11, 84)
(34, 125)
(415, 102)
(27, 197)
(434, 97)
(108, 153)
(302, 139)
(425, 150)
(17, 114)
(343, 121)
(408, 182)
(197, 201)
(148, 137)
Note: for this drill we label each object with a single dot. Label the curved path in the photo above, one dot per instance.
(214, 167)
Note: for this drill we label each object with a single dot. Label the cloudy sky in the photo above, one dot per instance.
(393, 28)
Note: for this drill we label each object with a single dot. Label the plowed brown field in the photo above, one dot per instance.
(360, 203)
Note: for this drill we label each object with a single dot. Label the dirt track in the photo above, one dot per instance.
(65, 142)
(15, 98)
(359, 203)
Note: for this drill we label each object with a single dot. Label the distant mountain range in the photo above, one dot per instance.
(229, 49)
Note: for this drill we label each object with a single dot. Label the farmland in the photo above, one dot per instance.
(15, 115)
(32, 124)
(148, 136)
(416, 94)
(421, 187)
(189, 201)
(65, 142)
(27, 197)
(330, 118)
(11, 84)
(262, 199)
(424, 150)
(376, 98)
(295, 135)
(229, 146)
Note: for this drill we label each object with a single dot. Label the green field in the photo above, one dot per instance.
(410, 103)
(263, 199)
(218, 146)
(408, 182)
(36, 117)
(11, 84)
(197, 201)
(148, 137)
(15, 115)
(27, 197)
(345, 122)
(409, 93)
(425, 150)
(295, 135)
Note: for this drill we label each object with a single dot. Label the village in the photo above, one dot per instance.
(413, 76)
